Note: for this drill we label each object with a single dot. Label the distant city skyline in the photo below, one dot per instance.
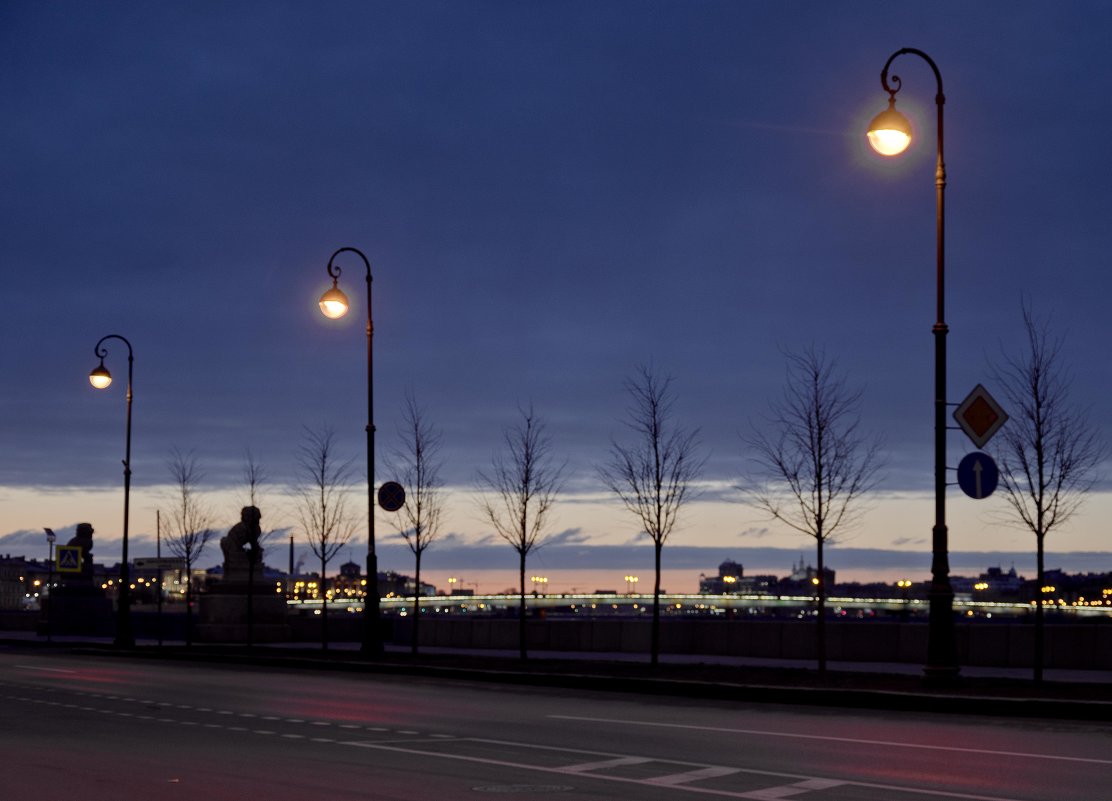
(549, 195)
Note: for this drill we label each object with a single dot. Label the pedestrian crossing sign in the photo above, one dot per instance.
(68, 558)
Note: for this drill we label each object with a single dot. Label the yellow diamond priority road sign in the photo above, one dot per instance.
(980, 416)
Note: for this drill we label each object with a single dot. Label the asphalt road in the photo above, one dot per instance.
(108, 729)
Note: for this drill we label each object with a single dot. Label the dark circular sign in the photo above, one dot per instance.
(391, 496)
(978, 475)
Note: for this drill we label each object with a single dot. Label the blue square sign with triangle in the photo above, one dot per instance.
(69, 558)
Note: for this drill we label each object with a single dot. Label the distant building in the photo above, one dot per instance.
(804, 575)
(727, 582)
(13, 586)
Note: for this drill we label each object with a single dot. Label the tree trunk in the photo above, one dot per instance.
(654, 646)
(324, 608)
(521, 611)
(821, 622)
(188, 603)
(1041, 582)
(416, 603)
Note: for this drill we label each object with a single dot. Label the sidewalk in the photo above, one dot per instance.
(1065, 694)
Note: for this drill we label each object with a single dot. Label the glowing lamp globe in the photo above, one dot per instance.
(100, 377)
(334, 303)
(890, 132)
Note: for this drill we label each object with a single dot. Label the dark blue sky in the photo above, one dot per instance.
(550, 194)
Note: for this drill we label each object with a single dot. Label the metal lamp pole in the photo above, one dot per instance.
(334, 304)
(890, 134)
(50, 537)
(101, 378)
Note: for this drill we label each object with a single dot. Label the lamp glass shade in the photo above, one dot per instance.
(890, 132)
(100, 377)
(334, 303)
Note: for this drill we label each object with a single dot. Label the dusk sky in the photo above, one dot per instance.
(550, 194)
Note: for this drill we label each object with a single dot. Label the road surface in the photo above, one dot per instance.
(107, 729)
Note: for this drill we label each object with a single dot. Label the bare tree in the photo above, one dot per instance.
(815, 465)
(416, 463)
(653, 475)
(518, 493)
(322, 509)
(189, 525)
(1049, 450)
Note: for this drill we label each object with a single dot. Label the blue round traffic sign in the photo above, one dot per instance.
(978, 475)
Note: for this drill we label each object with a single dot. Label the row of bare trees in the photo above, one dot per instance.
(812, 467)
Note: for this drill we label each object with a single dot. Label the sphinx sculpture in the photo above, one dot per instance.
(241, 544)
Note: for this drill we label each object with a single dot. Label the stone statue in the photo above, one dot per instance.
(84, 540)
(241, 544)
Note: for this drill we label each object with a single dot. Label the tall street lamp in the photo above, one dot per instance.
(334, 304)
(890, 134)
(100, 378)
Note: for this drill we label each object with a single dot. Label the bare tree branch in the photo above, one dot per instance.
(416, 463)
(1049, 452)
(322, 511)
(518, 492)
(815, 464)
(653, 474)
(189, 527)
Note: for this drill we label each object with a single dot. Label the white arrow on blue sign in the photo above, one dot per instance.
(978, 475)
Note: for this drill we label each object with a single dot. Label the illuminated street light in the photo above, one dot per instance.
(101, 378)
(890, 133)
(334, 304)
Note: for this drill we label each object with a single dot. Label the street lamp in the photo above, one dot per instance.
(50, 537)
(631, 581)
(890, 134)
(100, 378)
(333, 305)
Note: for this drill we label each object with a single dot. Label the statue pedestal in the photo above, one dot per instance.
(78, 609)
(223, 613)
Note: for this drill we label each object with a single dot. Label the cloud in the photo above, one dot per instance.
(900, 541)
(756, 533)
(569, 536)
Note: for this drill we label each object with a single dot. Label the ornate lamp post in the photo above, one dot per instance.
(334, 304)
(890, 134)
(100, 378)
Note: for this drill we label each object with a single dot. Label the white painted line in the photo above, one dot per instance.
(407, 731)
(350, 726)
(584, 767)
(44, 669)
(693, 776)
(294, 720)
(294, 736)
(789, 790)
(884, 743)
(321, 740)
(319, 723)
(224, 712)
(262, 731)
(889, 788)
